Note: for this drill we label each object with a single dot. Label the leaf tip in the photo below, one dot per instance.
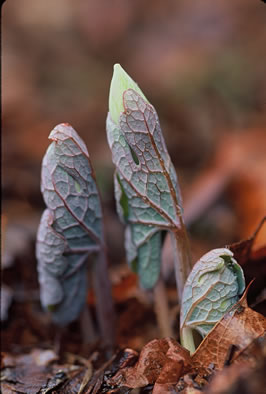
(59, 131)
(120, 82)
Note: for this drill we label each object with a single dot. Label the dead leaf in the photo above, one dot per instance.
(161, 361)
(239, 327)
(234, 378)
(253, 262)
(126, 288)
(94, 385)
(242, 249)
(37, 372)
(168, 377)
(190, 390)
(44, 357)
(193, 383)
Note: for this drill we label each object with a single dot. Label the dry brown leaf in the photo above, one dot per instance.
(242, 249)
(190, 390)
(161, 361)
(234, 332)
(37, 372)
(236, 377)
(169, 376)
(253, 262)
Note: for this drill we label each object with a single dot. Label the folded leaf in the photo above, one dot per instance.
(71, 226)
(213, 286)
(69, 189)
(146, 188)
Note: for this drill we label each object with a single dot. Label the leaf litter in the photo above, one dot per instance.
(162, 364)
(231, 355)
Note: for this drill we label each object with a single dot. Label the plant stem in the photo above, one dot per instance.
(58, 339)
(182, 259)
(183, 266)
(103, 299)
(187, 339)
(86, 326)
(161, 309)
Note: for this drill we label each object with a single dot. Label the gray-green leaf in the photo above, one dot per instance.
(71, 226)
(213, 287)
(146, 188)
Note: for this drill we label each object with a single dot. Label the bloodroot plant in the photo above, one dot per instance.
(146, 187)
(148, 202)
(212, 288)
(70, 230)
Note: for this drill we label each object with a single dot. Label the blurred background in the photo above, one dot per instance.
(201, 64)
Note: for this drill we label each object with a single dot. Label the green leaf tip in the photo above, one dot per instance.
(120, 82)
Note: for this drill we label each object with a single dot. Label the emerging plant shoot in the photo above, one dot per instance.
(212, 288)
(146, 187)
(70, 229)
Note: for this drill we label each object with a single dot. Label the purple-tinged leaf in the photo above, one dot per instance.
(71, 226)
(146, 188)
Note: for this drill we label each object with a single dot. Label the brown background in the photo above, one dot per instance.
(202, 64)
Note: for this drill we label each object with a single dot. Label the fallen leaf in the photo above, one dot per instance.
(191, 390)
(37, 372)
(161, 361)
(234, 378)
(44, 357)
(168, 377)
(253, 262)
(97, 380)
(191, 384)
(239, 327)
(242, 249)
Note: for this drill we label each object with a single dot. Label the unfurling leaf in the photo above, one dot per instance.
(213, 286)
(71, 226)
(146, 188)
